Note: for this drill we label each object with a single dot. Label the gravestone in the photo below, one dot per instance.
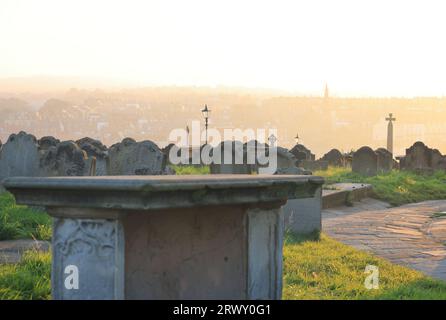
(95, 148)
(287, 163)
(65, 159)
(285, 159)
(365, 161)
(47, 142)
(19, 156)
(135, 158)
(233, 159)
(302, 153)
(334, 158)
(421, 157)
(384, 160)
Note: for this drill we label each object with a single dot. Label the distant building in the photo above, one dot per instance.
(326, 96)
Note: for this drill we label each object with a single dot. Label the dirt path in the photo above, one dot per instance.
(412, 235)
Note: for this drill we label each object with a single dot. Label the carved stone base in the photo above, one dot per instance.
(230, 252)
(88, 259)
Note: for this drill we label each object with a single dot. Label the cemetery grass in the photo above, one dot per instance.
(314, 268)
(189, 169)
(395, 187)
(326, 269)
(22, 222)
(27, 280)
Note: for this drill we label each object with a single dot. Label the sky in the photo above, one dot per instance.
(360, 48)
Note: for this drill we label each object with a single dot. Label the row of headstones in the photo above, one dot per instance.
(298, 160)
(24, 155)
(236, 157)
(418, 157)
(369, 162)
(334, 158)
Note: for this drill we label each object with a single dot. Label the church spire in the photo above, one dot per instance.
(326, 91)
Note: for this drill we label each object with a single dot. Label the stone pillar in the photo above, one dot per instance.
(166, 237)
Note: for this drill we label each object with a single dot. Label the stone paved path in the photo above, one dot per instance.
(412, 235)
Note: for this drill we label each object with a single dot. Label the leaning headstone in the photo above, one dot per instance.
(365, 162)
(385, 160)
(135, 158)
(95, 148)
(47, 142)
(19, 156)
(334, 158)
(66, 159)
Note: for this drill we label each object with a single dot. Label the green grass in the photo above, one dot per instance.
(313, 269)
(327, 269)
(22, 222)
(186, 170)
(30, 279)
(395, 187)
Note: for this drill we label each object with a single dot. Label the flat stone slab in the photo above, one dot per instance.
(11, 250)
(158, 192)
(339, 194)
(413, 235)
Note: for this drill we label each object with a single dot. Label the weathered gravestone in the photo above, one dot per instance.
(334, 158)
(420, 157)
(302, 153)
(301, 216)
(287, 163)
(135, 158)
(95, 148)
(365, 161)
(231, 157)
(384, 160)
(47, 142)
(19, 156)
(65, 159)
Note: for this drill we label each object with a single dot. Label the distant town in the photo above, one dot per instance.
(320, 122)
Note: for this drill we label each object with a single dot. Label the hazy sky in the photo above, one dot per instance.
(359, 47)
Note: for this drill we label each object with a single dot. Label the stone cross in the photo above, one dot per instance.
(272, 140)
(390, 118)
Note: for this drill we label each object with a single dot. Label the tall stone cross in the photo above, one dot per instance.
(390, 118)
(272, 140)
